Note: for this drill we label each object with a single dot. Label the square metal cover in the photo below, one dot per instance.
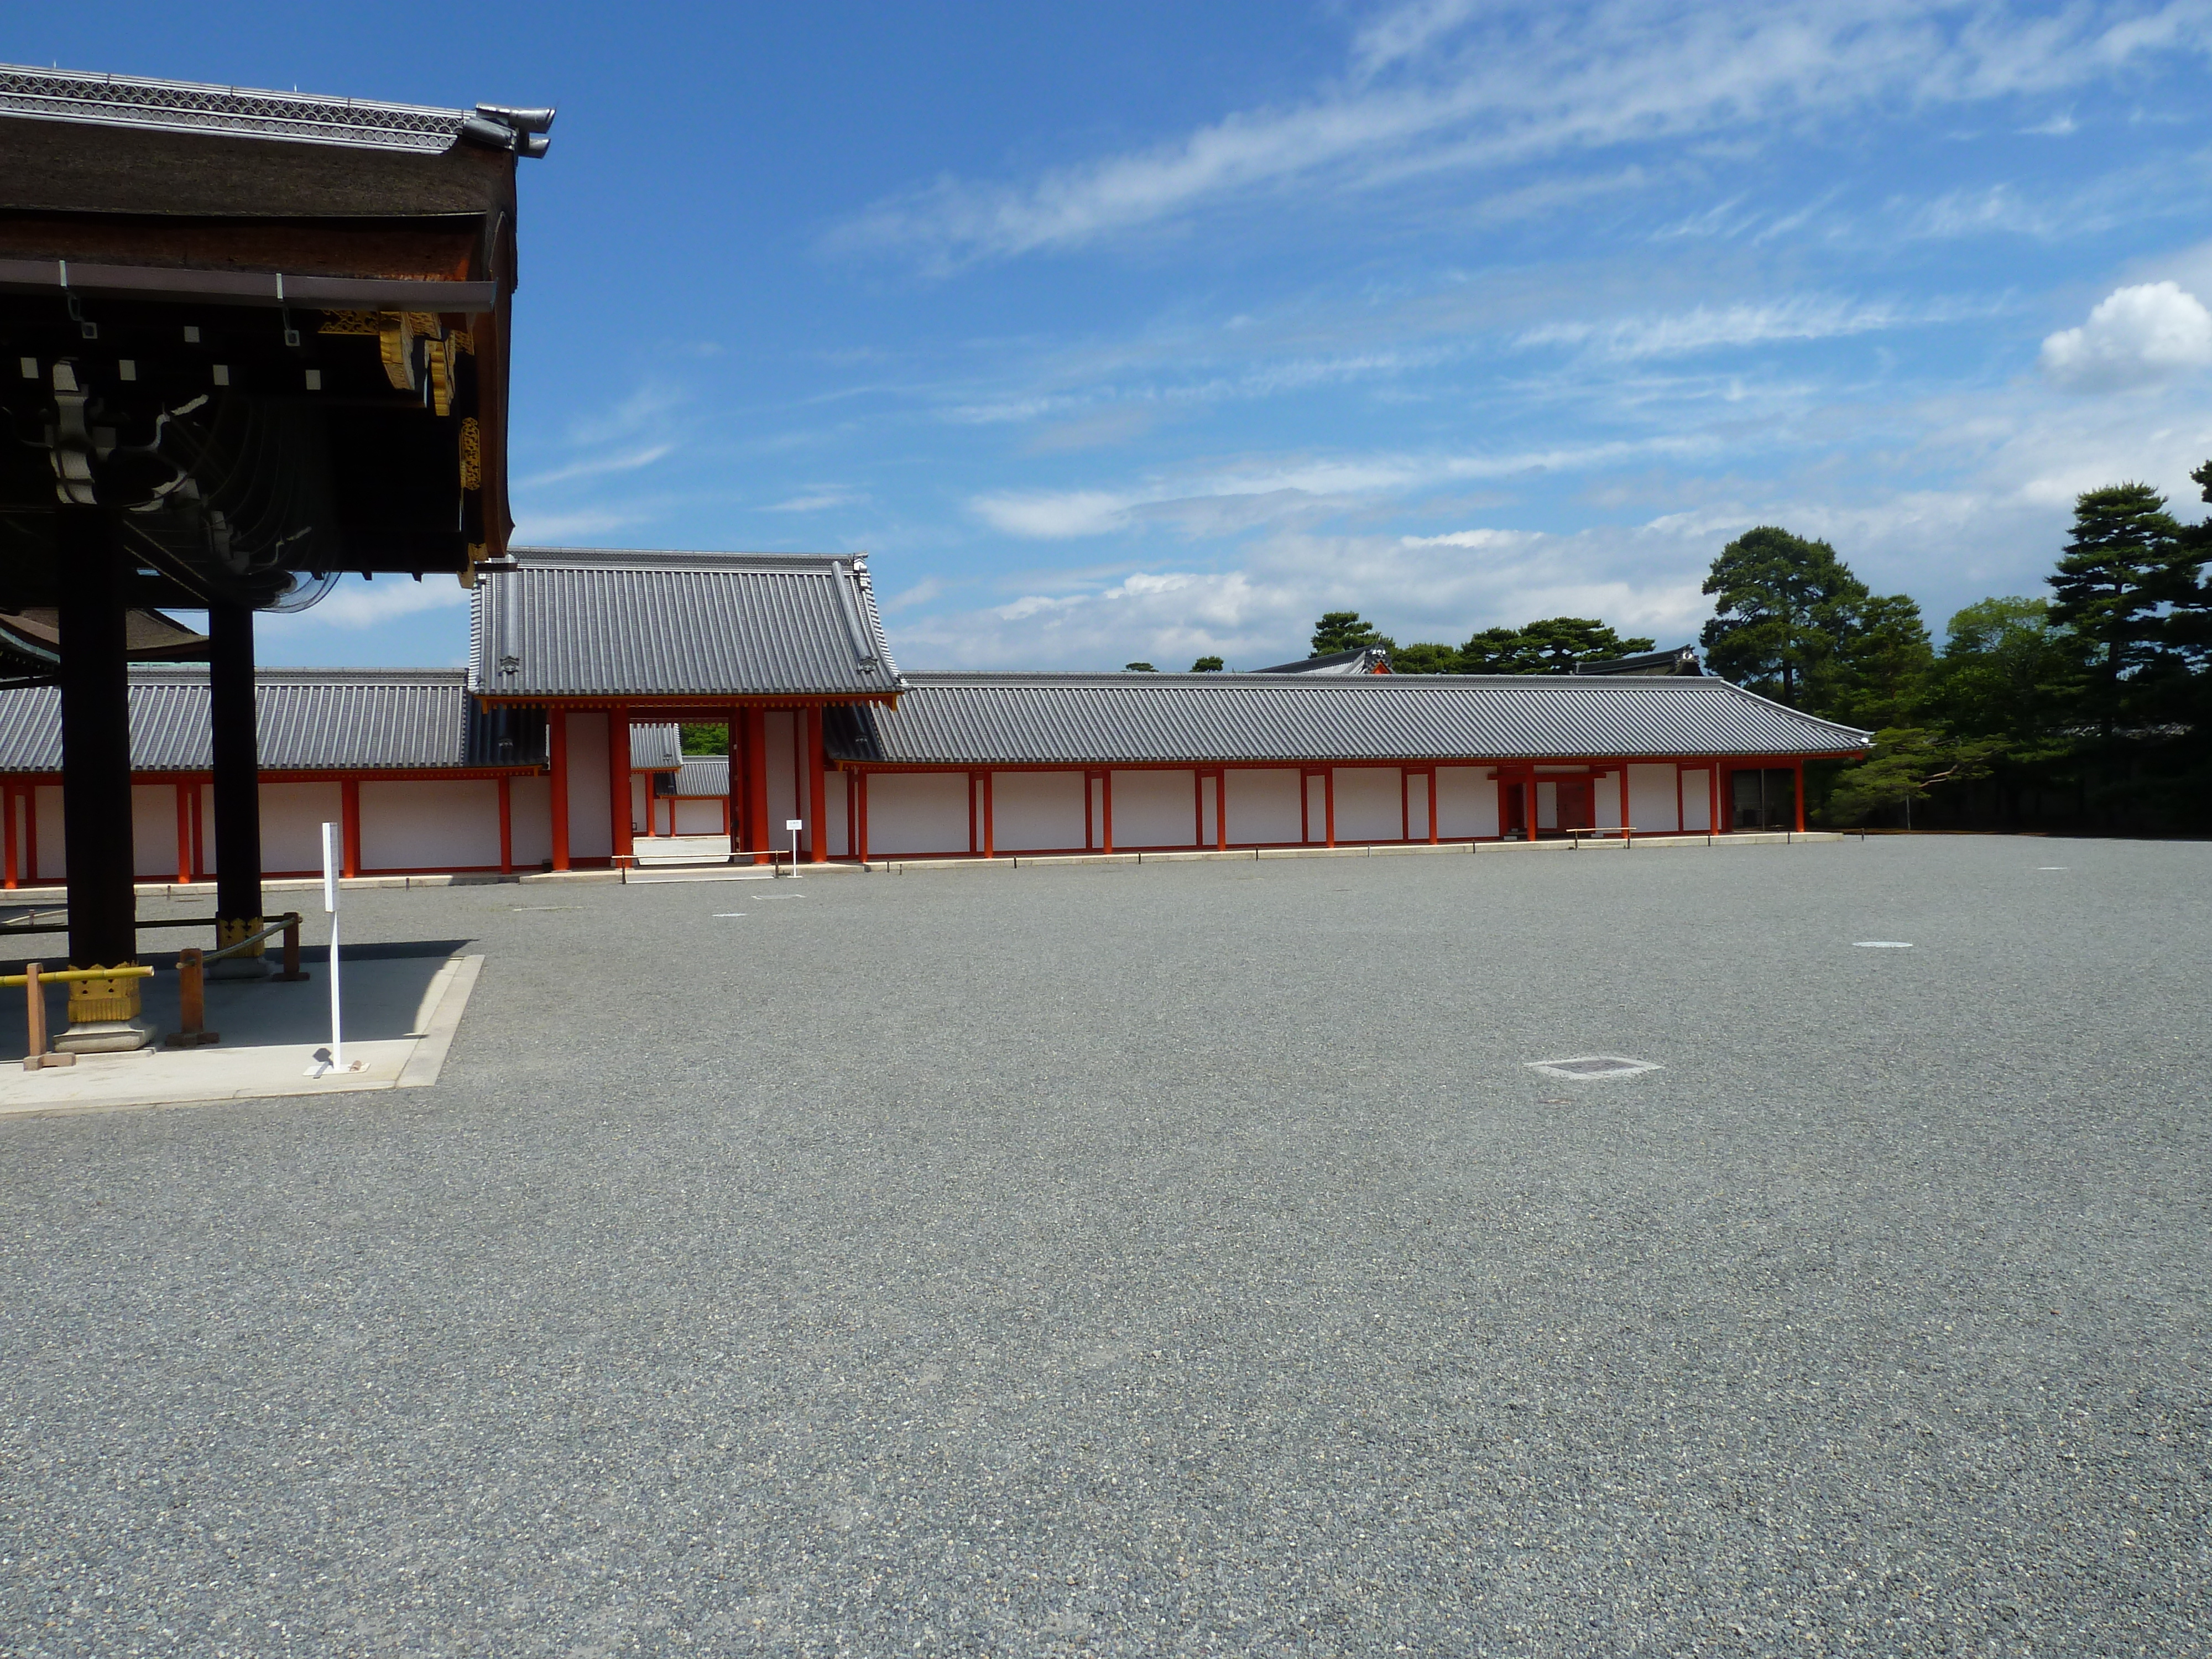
(1591, 1066)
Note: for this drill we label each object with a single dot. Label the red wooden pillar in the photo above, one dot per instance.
(1404, 803)
(1106, 804)
(818, 794)
(1089, 836)
(1624, 800)
(1713, 823)
(1221, 810)
(974, 827)
(990, 846)
(738, 804)
(556, 721)
(505, 824)
(621, 845)
(30, 835)
(9, 871)
(1329, 803)
(1197, 807)
(756, 786)
(349, 825)
(1680, 822)
(1305, 808)
(1797, 790)
(860, 793)
(199, 834)
(1432, 806)
(184, 833)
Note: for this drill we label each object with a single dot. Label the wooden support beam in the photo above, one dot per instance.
(505, 824)
(349, 813)
(557, 729)
(233, 732)
(96, 697)
(818, 762)
(758, 830)
(621, 846)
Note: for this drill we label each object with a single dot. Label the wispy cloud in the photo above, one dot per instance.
(598, 466)
(1705, 328)
(818, 500)
(1449, 84)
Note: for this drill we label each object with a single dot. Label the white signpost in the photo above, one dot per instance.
(793, 825)
(332, 843)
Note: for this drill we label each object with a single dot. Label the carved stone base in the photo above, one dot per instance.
(105, 1036)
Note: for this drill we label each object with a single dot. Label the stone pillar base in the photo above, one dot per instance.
(104, 1036)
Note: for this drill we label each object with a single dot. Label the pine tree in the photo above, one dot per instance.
(2128, 564)
(1786, 605)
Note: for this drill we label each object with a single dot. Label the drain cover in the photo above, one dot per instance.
(1590, 1065)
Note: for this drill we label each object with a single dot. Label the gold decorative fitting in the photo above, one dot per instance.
(471, 454)
(229, 930)
(465, 339)
(92, 1000)
(439, 355)
(469, 570)
(349, 322)
(396, 340)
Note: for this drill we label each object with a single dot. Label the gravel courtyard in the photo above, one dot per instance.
(1179, 1259)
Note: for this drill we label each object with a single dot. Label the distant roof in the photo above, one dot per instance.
(656, 748)
(703, 774)
(1682, 660)
(311, 719)
(1110, 718)
(31, 642)
(568, 622)
(1361, 659)
(131, 101)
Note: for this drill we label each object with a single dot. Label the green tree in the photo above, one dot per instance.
(1206, 665)
(1551, 646)
(1344, 630)
(705, 739)
(1425, 658)
(1558, 643)
(1904, 764)
(2128, 563)
(2009, 672)
(1784, 605)
(1139, 668)
(1883, 666)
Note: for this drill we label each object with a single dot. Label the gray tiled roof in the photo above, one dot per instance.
(704, 774)
(1110, 718)
(311, 719)
(560, 621)
(656, 748)
(131, 101)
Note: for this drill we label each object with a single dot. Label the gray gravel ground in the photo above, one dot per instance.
(1171, 1259)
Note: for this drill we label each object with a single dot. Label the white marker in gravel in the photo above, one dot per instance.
(1883, 943)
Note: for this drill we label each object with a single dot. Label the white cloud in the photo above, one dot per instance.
(819, 501)
(2135, 336)
(563, 529)
(1443, 84)
(1706, 327)
(596, 466)
(355, 604)
(1052, 516)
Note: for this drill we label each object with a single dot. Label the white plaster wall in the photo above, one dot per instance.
(1316, 810)
(1263, 805)
(1697, 800)
(591, 828)
(1548, 805)
(1369, 804)
(1605, 803)
(292, 819)
(694, 815)
(1209, 796)
(153, 831)
(1416, 804)
(1651, 798)
(641, 802)
(530, 805)
(53, 860)
(837, 787)
(1466, 803)
(1034, 812)
(1154, 809)
(917, 812)
(431, 824)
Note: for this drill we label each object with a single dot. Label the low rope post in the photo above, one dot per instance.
(191, 1003)
(292, 971)
(34, 1012)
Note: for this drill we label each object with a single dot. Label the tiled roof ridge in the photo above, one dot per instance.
(646, 558)
(133, 100)
(188, 673)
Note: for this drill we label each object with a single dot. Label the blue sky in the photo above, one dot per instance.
(1152, 331)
